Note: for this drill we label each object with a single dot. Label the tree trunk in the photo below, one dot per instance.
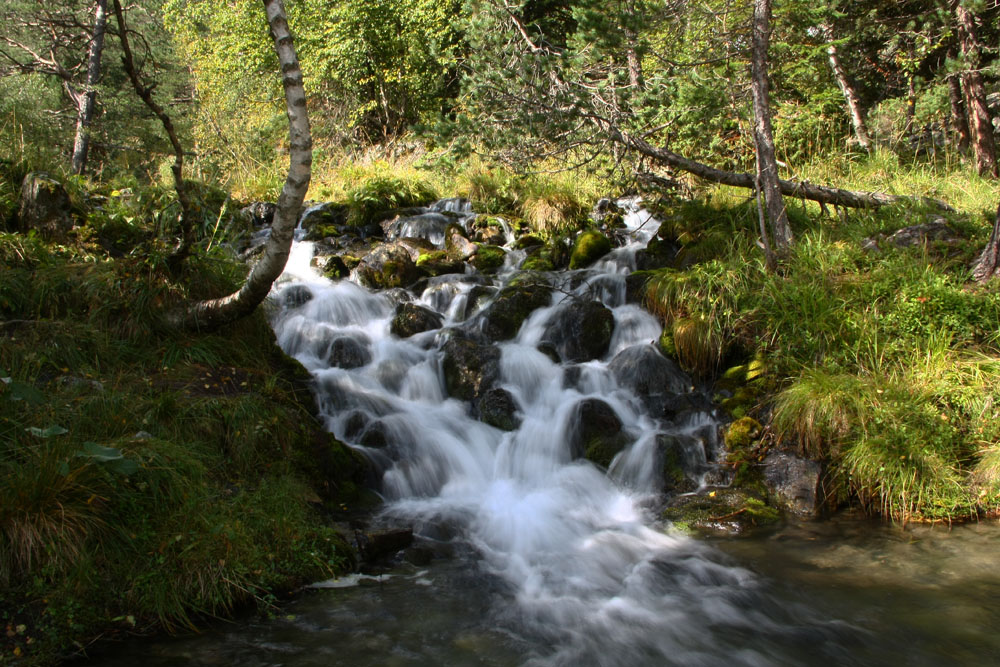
(145, 93)
(850, 95)
(85, 113)
(211, 314)
(988, 264)
(767, 165)
(975, 94)
(959, 121)
(911, 105)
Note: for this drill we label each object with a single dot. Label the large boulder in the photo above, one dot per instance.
(388, 265)
(590, 246)
(498, 408)
(596, 432)
(323, 220)
(657, 380)
(503, 318)
(470, 369)
(349, 352)
(795, 483)
(457, 245)
(580, 331)
(411, 319)
(488, 258)
(44, 207)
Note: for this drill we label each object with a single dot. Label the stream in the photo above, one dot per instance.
(527, 553)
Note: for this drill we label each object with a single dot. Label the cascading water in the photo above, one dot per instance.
(586, 577)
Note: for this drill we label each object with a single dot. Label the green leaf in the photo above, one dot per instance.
(100, 453)
(18, 391)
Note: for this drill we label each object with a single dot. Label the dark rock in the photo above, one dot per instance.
(580, 331)
(411, 319)
(295, 296)
(674, 461)
(503, 318)
(44, 207)
(333, 267)
(259, 213)
(383, 544)
(470, 369)
(348, 352)
(477, 298)
(375, 436)
(388, 265)
(658, 381)
(597, 432)
(635, 286)
(794, 483)
(498, 408)
(607, 212)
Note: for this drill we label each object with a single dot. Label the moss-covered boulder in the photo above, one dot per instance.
(528, 241)
(596, 434)
(488, 258)
(470, 369)
(580, 331)
(411, 319)
(388, 265)
(498, 408)
(673, 461)
(437, 263)
(349, 351)
(538, 261)
(590, 246)
(503, 318)
(477, 298)
(742, 434)
(324, 220)
(457, 244)
(44, 207)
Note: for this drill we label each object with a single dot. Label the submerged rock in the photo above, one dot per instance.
(349, 352)
(411, 319)
(470, 369)
(580, 331)
(503, 318)
(596, 432)
(498, 408)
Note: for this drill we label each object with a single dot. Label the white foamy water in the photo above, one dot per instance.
(585, 569)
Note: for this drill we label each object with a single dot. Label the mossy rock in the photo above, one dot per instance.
(336, 268)
(528, 241)
(437, 263)
(411, 319)
(590, 246)
(488, 258)
(513, 305)
(596, 434)
(541, 262)
(470, 369)
(742, 434)
(726, 511)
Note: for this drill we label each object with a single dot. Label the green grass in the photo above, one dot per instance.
(886, 365)
(147, 476)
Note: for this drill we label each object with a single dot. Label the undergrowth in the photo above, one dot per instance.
(884, 363)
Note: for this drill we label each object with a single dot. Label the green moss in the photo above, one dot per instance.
(590, 246)
(538, 262)
(488, 258)
(742, 433)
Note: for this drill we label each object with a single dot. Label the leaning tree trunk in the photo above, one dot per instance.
(988, 263)
(975, 94)
(767, 165)
(213, 313)
(850, 95)
(85, 113)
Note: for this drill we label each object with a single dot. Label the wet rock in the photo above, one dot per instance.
(580, 331)
(375, 546)
(416, 246)
(457, 245)
(794, 483)
(489, 230)
(323, 220)
(658, 253)
(674, 463)
(597, 432)
(528, 241)
(498, 408)
(607, 213)
(388, 265)
(333, 267)
(259, 213)
(658, 381)
(477, 298)
(437, 263)
(488, 258)
(375, 436)
(635, 286)
(411, 319)
(720, 512)
(348, 352)
(44, 206)
(296, 295)
(470, 369)
(590, 246)
(503, 318)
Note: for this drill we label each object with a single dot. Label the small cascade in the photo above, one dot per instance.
(554, 507)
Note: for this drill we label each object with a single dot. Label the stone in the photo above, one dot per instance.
(503, 318)
(794, 483)
(457, 245)
(388, 265)
(296, 295)
(488, 258)
(657, 380)
(936, 229)
(498, 408)
(590, 246)
(44, 207)
(635, 286)
(375, 546)
(470, 369)
(259, 213)
(580, 331)
(596, 434)
(411, 319)
(348, 352)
